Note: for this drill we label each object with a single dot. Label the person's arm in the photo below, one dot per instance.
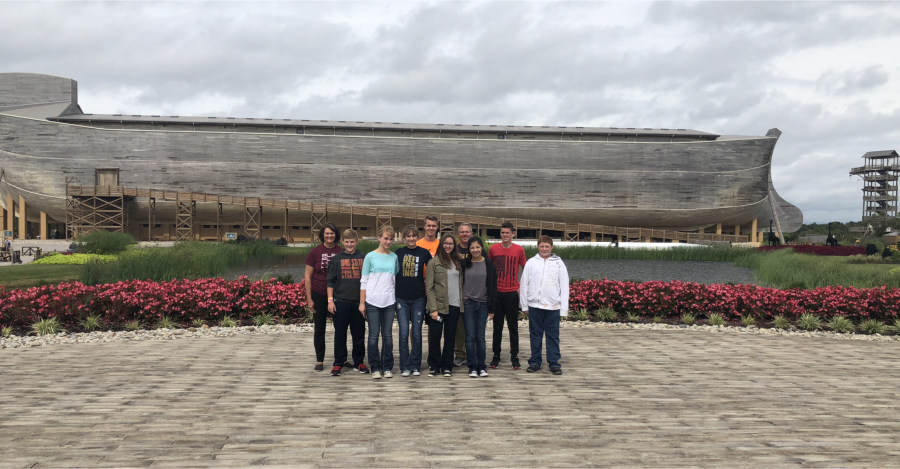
(523, 290)
(363, 282)
(430, 300)
(308, 280)
(564, 289)
(331, 307)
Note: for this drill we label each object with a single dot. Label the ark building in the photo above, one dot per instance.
(64, 172)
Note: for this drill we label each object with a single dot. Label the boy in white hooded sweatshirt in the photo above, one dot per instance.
(544, 293)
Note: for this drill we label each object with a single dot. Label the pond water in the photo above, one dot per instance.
(614, 269)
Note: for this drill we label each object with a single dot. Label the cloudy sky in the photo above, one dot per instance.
(826, 73)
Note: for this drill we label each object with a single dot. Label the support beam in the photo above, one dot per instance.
(382, 218)
(22, 219)
(151, 217)
(43, 225)
(318, 214)
(718, 228)
(10, 213)
(252, 221)
(219, 222)
(753, 229)
(184, 220)
(445, 221)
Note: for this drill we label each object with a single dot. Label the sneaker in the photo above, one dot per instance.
(388, 374)
(556, 370)
(448, 373)
(405, 373)
(320, 367)
(495, 362)
(533, 368)
(416, 373)
(362, 368)
(433, 372)
(376, 375)
(457, 361)
(348, 365)
(515, 364)
(482, 374)
(336, 371)
(473, 374)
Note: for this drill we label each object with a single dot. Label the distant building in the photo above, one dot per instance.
(879, 176)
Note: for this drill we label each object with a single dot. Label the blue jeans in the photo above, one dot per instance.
(380, 321)
(475, 318)
(544, 322)
(410, 311)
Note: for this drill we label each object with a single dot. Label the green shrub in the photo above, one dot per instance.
(781, 322)
(748, 321)
(189, 260)
(105, 242)
(841, 324)
(657, 318)
(715, 319)
(198, 322)
(809, 322)
(607, 315)
(74, 259)
(91, 323)
(227, 321)
(133, 325)
(47, 326)
(688, 318)
(6, 331)
(285, 279)
(166, 322)
(871, 326)
(264, 319)
(631, 316)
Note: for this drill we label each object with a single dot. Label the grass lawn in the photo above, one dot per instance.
(24, 276)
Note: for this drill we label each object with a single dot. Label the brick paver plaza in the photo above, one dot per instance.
(628, 398)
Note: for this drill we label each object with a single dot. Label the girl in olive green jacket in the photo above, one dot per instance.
(443, 291)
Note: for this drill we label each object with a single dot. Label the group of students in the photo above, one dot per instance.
(453, 286)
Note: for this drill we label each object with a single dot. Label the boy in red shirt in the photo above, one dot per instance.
(508, 258)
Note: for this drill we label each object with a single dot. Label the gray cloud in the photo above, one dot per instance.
(724, 67)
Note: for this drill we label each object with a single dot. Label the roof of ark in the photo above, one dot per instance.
(543, 129)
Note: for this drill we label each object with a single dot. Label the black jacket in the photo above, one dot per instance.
(491, 281)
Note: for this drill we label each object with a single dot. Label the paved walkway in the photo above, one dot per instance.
(627, 398)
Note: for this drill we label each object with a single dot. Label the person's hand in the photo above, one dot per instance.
(490, 316)
(434, 315)
(331, 307)
(362, 310)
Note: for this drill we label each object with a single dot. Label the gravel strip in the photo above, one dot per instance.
(194, 332)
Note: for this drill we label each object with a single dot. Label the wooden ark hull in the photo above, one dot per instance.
(655, 178)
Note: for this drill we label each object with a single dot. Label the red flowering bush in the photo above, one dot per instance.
(212, 299)
(148, 301)
(671, 299)
(286, 301)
